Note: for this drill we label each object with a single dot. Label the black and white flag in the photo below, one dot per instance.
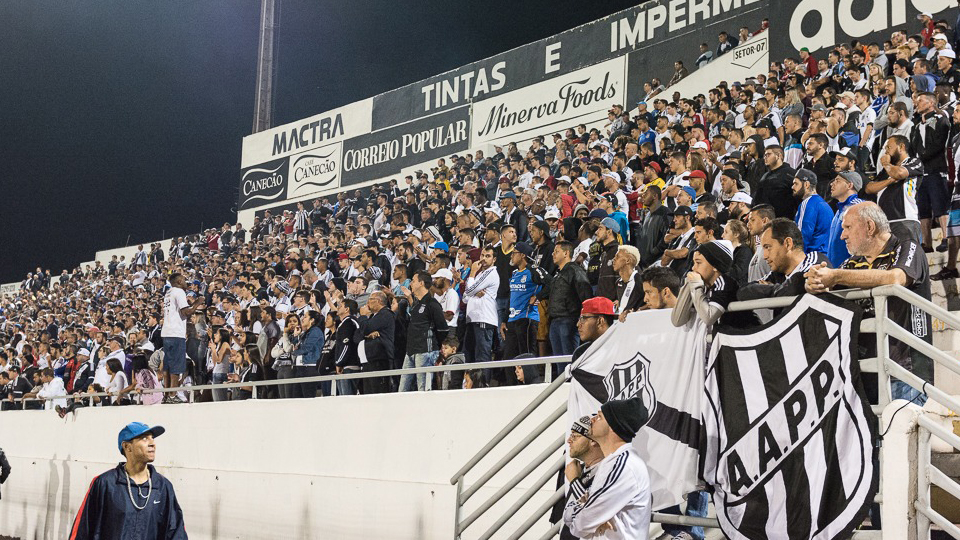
(647, 356)
(789, 430)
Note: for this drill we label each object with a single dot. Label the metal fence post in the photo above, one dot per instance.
(923, 481)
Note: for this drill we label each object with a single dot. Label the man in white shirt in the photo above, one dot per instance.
(481, 298)
(115, 346)
(618, 503)
(446, 295)
(52, 388)
(176, 311)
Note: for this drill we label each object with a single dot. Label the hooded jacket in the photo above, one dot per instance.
(107, 512)
(902, 87)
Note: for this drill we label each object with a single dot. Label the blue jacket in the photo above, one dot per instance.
(814, 217)
(107, 513)
(310, 346)
(837, 248)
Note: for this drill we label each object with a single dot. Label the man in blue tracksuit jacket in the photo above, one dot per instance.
(131, 501)
(814, 215)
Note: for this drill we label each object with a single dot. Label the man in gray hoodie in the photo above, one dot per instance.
(896, 90)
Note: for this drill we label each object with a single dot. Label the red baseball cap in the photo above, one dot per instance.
(598, 305)
(654, 165)
(697, 173)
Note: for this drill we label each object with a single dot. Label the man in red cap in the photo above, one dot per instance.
(596, 317)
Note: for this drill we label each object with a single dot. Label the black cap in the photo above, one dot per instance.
(625, 417)
(683, 211)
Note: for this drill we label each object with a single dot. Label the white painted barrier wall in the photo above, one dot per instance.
(358, 467)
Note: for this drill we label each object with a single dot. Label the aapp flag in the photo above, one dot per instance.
(789, 430)
(647, 356)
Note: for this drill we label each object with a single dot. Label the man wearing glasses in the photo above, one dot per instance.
(596, 317)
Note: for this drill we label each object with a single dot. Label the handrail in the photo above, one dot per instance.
(541, 397)
(530, 437)
(497, 364)
(529, 468)
(549, 474)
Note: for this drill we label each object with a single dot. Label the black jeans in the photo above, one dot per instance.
(375, 385)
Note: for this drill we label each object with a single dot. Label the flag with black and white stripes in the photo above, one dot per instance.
(647, 356)
(789, 430)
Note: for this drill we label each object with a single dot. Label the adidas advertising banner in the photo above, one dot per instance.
(647, 356)
(789, 447)
(822, 24)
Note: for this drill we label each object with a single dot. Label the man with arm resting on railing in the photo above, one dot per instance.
(617, 504)
(878, 257)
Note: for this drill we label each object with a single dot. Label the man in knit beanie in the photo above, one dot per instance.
(710, 288)
(618, 504)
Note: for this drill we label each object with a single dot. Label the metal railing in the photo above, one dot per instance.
(882, 365)
(497, 364)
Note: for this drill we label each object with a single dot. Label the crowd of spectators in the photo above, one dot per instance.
(819, 174)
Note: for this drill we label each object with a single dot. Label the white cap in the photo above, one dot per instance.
(947, 53)
(361, 240)
(741, 197)
(924, 14)
(493, 209)
(940, 36)
(84, 351)
(444, 273)
(839, 105)
(700, 144)
(148, 346)
(552, 213)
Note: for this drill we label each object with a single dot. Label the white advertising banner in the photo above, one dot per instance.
(315, 171)
(647, 356)
(296, 137)
(582, 93)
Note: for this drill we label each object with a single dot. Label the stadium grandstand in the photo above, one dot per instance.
(650, 295)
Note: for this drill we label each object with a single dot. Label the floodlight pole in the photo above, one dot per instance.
(266, 64)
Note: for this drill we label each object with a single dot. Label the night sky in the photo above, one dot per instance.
(124, 119)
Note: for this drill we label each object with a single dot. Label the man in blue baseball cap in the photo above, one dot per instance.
(131, 500)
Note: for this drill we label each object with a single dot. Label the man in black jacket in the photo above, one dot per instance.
(426, 330)
(19, 385)
(377, 331)
(931, 128)
(607, 276)
(656, 224)
(775, 187)
(568, 290)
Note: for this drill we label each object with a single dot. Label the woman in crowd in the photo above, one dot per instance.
(220, 354)
(283, 362)
(309, 344)
(739, 237)
(118, 382)
(327, 364)
(247, 368)
(144, 378)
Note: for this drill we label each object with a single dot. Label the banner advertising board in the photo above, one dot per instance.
(320, 130)
(582, 69)
(263, 184)
(315, 170)
(662, 24)
(387, 151)
(586, 91)
(821, 24)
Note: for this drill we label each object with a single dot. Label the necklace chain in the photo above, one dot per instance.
(139, 491)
